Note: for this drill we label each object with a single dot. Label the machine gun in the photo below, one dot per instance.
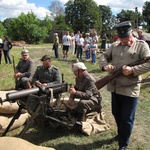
(40, 97)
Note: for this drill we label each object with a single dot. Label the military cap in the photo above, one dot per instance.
(24, 52)
(45, 57)
(124, 29)
(78, 65)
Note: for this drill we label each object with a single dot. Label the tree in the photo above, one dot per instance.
(128, 15)
(27, 27)
(83, 15)
(56, 8)
(59, 23)
(47, 24)
(106, 17)
(2, 31)
(146, 14)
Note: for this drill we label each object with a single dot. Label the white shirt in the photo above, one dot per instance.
(80, 41)
(66, 40)
(1, 41)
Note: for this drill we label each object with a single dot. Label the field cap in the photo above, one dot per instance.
(24, 52)
(78, 65)
(140, 30)
(124, 29)
(45, 57)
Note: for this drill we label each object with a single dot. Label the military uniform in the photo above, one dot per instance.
(26, 67)
(47, 75)
(88, 95)
(120, 55)
(125, 90)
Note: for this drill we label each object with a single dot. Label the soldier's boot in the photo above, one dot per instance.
(81, 117)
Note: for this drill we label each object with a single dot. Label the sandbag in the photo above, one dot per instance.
(95, 124)
(5, 120)
(3, 93)
(13, 143)
(7, 107)
(10, 108)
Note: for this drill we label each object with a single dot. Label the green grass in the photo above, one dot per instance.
(61, 138)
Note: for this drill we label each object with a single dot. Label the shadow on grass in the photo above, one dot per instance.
(56, 138)
(97, 145)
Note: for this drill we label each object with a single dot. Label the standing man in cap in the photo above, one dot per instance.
(124, 90)
(85, 90)
(46, 74)
(24, 70)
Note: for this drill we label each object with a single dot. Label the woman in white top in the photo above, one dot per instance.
(72, 47)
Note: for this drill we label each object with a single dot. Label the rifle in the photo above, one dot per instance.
(118, 72)
(14, 66)
(40, 95)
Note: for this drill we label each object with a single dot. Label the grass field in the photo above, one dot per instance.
(61, 138)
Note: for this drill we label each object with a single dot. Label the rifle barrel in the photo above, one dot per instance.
(102, 82)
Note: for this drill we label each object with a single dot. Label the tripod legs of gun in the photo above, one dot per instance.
(31, 120)
(16, 116)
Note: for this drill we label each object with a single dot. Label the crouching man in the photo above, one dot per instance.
(85, 90)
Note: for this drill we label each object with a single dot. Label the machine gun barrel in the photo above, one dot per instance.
(20, 94)
(56, 88)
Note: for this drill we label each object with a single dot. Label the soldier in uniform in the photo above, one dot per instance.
(125, 90)
(24, 70)
(47, 74)
(85, 90)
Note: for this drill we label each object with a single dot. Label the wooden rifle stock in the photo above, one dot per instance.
(102, 82)
(14, 67)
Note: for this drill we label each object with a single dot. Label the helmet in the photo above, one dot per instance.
(24, 52)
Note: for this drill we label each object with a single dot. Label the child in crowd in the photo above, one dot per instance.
(87, 51)
(93, 49)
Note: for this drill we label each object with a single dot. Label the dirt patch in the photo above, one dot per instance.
(19, 43)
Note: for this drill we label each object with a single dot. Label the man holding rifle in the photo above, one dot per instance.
(125, 90)
(24, 70)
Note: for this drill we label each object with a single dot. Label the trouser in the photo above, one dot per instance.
(79, 52)
(123, 109)
(85, 106)
(93, 58)
(87, 54)
(6, 56)
(56, 50)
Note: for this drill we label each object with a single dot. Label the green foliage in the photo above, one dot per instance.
(29, 28)
(83, 15)
(131, 16)
(2, 31)
(106, 17)
(125, 15)
(146, 14)
(59, 23)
